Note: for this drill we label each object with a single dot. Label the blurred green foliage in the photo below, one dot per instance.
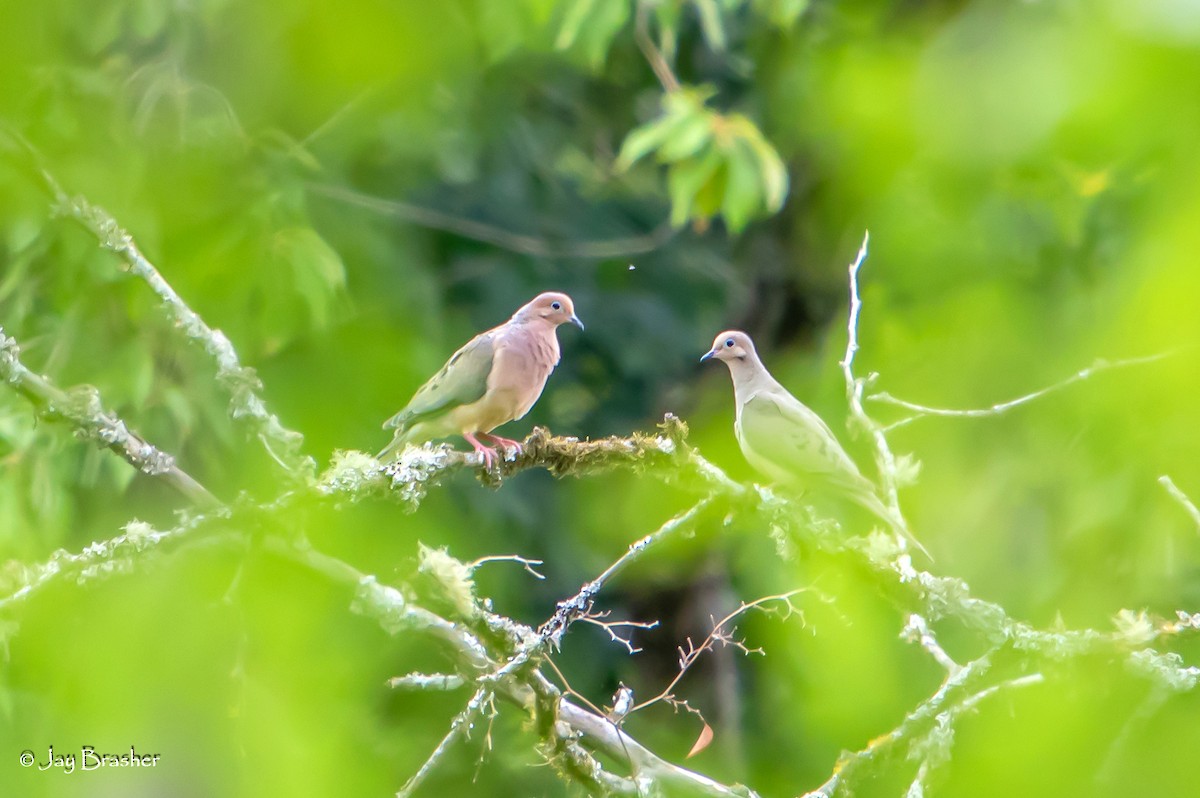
(349, 191)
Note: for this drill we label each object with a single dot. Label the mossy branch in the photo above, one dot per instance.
(356, 475)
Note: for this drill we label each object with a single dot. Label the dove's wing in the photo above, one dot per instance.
(461, 381)
(789, 442)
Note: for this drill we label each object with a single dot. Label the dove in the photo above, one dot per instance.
(784, 439)
(493, 379)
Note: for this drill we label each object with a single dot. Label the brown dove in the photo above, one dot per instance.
(495, 378)
(784, 439)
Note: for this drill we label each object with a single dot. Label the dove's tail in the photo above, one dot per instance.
(402, 438)
(870, 501)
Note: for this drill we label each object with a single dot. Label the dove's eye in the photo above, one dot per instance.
(728, 342)
(556, 305)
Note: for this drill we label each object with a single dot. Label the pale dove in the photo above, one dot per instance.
(785, 440)
(495, 378)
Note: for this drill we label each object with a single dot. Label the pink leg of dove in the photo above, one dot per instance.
(489, 455)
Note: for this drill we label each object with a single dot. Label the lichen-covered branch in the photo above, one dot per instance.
(530, 647)
(120, 554)
(82, 409)
(516, 678)
(574, 608)
(917, 630)
(956, 694)
(246, 403)
(574, 728)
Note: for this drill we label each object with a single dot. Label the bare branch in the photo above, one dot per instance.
(600, 733)
(81, 407)
(426, 681)
(916, 630)
(499, 236)
(1181, 497)
(654, 57)
(1000, 408)
(611, 627)
(525, 562)
(916, 720)
(884, 458)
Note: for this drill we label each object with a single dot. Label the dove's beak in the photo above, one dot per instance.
(575, 320)
(708, 355)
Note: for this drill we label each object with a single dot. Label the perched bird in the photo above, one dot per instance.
(784, 439)
(495, 378)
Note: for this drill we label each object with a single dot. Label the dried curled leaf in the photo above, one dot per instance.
(702, 742)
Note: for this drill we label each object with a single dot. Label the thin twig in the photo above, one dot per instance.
(1181, 497)
(658, 62)
(525, 562)
(688, 656)
(499, 236)
(549, 634)
(1000, 408)
(933, 749)
(855, 386)
(597, 619)
(916, 720)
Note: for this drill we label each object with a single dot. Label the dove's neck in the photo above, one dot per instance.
(750, 377)
(539, 337)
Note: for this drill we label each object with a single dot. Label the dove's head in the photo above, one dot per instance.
(552, 307)
(732, 346)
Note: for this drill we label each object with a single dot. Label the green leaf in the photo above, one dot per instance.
(602, 26)
(99, 28)
(782, 13)
(708, 199)
(317, 269)
(501, 30)
(710, 23)
(149, 18)
(572, 22)
(179, 409)
(743, 188)
(688, 99)
(645, 139)
(688, 137)
(686, 179)
(771, 167)
(136, 364)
